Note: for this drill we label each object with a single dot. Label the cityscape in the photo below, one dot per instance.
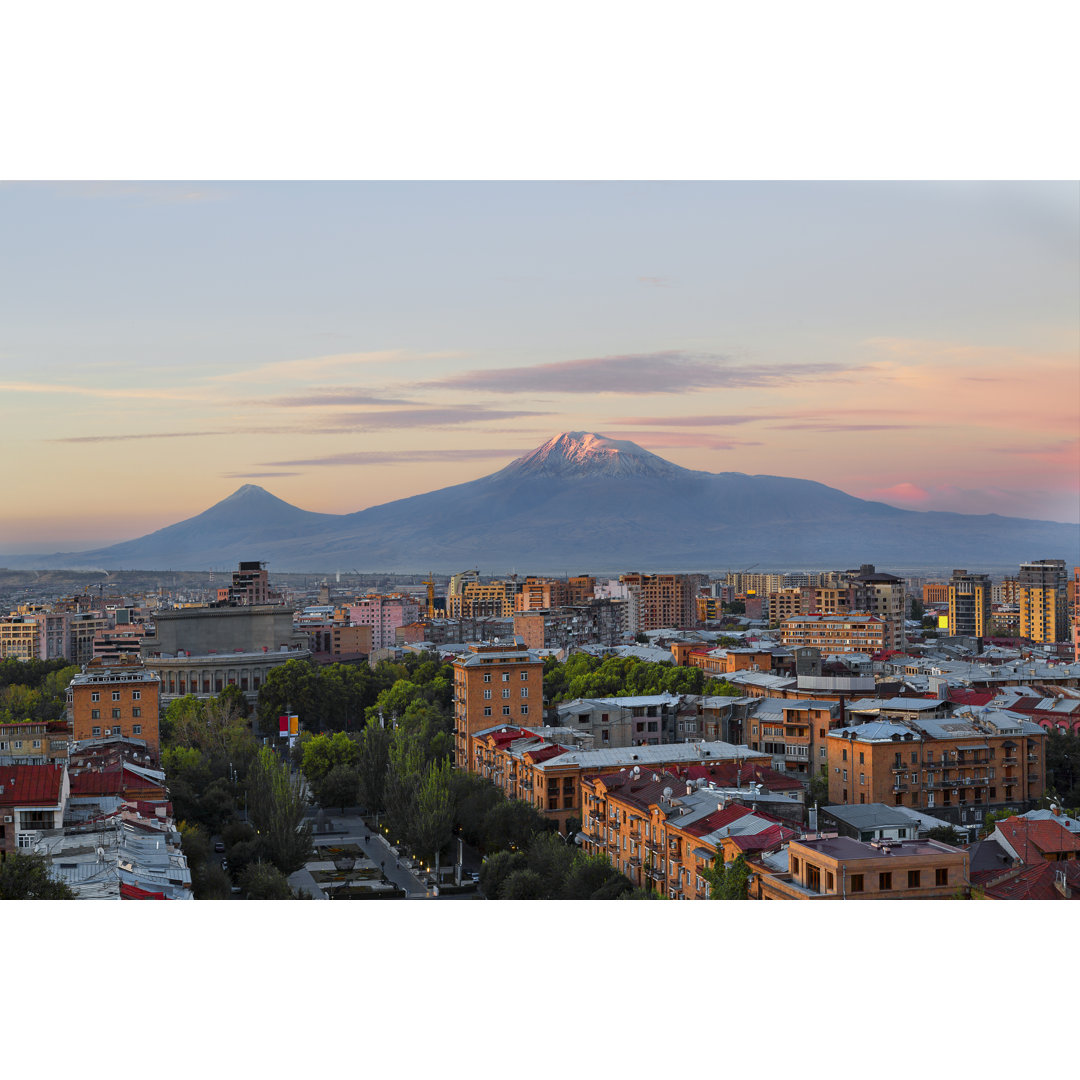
(788, 734)
(497, 574)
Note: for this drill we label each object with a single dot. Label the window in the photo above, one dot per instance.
(794, 866)
(506, 676)
(116, 714)
(856, 883)
(18, 744)
(843, 755)
(37, 744)
(884, 882)
(116, 730)
(524, 676)
(95, 696)
(487, 695)
(136, 695)
(116, 695)
(487, 676)
(524, 710)
(524, 691)
(137, 711)
(95, 732)
(95, 714)
(829, 881)
(862, 778)
(862, 758)
(941, 876)
(506, 710)
(506, 692)
(487, 710)
(136, 729)
(913, 879)
(845, 775)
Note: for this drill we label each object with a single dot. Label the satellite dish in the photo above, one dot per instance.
(667, 793)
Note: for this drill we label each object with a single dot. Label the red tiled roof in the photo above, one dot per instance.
(133, 892)
(92, 782)
(1026, 704)
(1032, 882)
(718, 819)
(30, 785)
(969, 697)
(543, 753)
(1034, 840)
(762, 841)
(730, 774)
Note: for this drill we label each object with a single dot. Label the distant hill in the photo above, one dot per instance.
(585, 502)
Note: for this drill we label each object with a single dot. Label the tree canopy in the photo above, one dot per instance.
(27, 877)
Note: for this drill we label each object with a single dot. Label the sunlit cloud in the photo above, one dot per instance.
(643, 373)
(420, 418)
(906, 493)
(331, 396)
(660, 440)
(142, 393)
(144, 435)
(254, 475)
(314, 367)
(399, 457)
(729, 420)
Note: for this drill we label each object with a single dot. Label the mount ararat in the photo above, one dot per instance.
(583, 502)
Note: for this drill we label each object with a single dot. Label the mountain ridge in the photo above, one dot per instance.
(583, 500)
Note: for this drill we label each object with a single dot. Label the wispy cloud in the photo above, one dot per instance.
(661, 440)
(691, 421)
(331, 395)
(102, 392)
(826, 426)
(146, 435)
(254, 475)
(420, 418)
(313, 367)
(398, 457)
(639, 373)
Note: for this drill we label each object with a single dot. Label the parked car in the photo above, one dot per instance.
(220, 845)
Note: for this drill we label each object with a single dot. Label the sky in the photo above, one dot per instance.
(345, 344)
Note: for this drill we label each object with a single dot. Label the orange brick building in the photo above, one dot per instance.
(658, 601)
(662, 831)
(115, 699)
(836, 633)
(956, 768)
(495, 683)
(840, 868)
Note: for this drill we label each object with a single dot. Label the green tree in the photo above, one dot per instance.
(339, 787)
(290, 687)
(374, 761)
(473, 798)
(727, 882)
(406, 767)
(523, 885)
(818, 791)
(945, 834)
(27, 877)
(324, 753)
(195, 845)
(497, 868)
(592, 877)
(277, 803)
(264, 881)
(211, 883)
(512, 824)
(434, 814)
(550, 858)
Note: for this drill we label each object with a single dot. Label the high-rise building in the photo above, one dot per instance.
(1042, 586)
(969, 604)
(662, 600)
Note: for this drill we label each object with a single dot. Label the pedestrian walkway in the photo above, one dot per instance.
(350, 828)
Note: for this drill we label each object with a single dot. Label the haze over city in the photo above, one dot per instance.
(347, 344)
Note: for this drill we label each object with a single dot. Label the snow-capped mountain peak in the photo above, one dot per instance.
(586, 454)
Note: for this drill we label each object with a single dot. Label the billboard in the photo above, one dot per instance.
(289, 724)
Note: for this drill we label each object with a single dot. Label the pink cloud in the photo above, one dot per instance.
(906, 492)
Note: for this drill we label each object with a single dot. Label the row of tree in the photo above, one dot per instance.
(583, 675)
(34, 689)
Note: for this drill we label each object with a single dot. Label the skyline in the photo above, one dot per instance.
(348, 344)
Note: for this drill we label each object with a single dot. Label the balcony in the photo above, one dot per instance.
(899, 787)
(898, 766)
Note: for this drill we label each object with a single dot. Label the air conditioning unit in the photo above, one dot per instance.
(8, 819)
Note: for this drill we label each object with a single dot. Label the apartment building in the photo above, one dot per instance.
(595, 622)
(33, 742)
(863, 633)
(540, 594)
(1042, 596)
(32, 798)
(657, 601)
(110, 698)
(385, 615)
(970, 604)
(645, 720)
(957, 767)
(840, 868)
(495, 682)
(792, 733)
(662, 830)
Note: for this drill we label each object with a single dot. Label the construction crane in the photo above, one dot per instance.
(430, 596)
